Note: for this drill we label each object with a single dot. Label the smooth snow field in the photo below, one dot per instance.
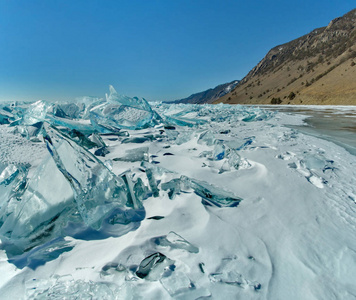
(116, 198)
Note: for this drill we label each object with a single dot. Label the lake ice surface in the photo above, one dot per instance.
(130, 200)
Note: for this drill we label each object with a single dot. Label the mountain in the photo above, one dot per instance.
(210, 95)
(317, 68)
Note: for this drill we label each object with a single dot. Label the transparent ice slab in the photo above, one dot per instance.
(175, 241)
(177, 283)
(211, 196)
(31, 132)
(206, 137)
(35, 113)
(132, 155)
(35, 212)
(154, 266)
(5, 116)
(97, 191)
(228, 273)
(69, 110)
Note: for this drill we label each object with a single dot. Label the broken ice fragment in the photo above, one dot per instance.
(69, 110)
(153, 265)
(152, 182)
(8, 174)
(313, 162)
(177, 283)
(35, 113)
(5, 116)
(227, 273)
(97, 191)
(102, 151)
(45, 200)
(224, 168)
(141, 190)
(131, 196)
(212, 195)
(230, 277)
(123, 112)
(316, 180)
(206, 154)
(206, 137)
(175, 241)
(225, 131)
(173, 186)
(31, 132)
(219, 151)
(84, 126)
(136, 140)
(239, 143)
(234, 159)
(82, 139)
(181, 121)
(132, 155)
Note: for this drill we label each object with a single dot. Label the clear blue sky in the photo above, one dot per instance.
(157, 49)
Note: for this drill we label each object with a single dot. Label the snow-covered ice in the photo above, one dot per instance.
(117, 198)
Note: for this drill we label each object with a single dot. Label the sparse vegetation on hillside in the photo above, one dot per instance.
(316, 64)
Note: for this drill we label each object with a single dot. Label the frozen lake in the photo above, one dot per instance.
(335, 124)
(117, 198)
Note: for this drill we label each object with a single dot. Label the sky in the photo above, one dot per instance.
(156, 49)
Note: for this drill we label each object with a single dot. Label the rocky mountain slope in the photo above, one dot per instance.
(317, 68)
(210, 95)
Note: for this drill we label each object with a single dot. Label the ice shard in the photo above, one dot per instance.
(84, 126)
(31, 132)
(152, 182)
(123, 112)
(177, 284)
(234, 159)
(153, 266)
(227, 273)
(132, 155)
(35, 211)
(219, 150)
(8, 174)
(5, 116)
(173, 187)
(141, 190)
(12, 184)
(206, 137)
(83, 139)
(97, 191)
(35, 113)
(175, 241)
(212, 196)
(69, 110)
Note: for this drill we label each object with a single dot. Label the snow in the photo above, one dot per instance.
(292, 236)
